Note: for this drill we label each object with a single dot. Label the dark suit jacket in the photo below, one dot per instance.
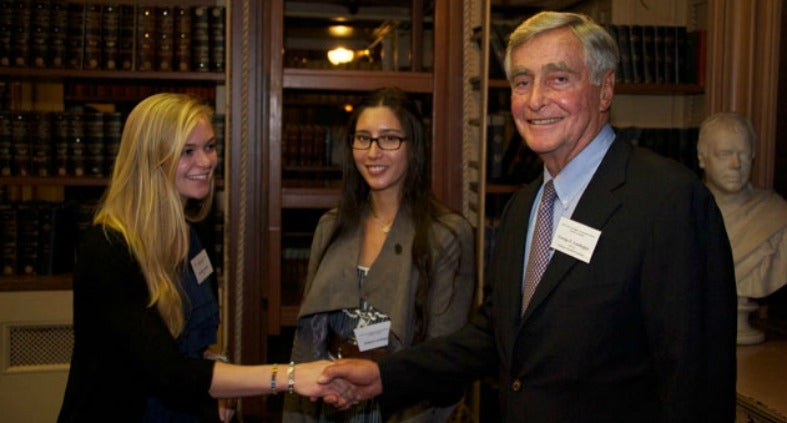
(644, 332)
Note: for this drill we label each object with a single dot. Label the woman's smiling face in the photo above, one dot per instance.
(382, 169)
(197, 161)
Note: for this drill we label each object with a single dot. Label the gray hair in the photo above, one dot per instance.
(601, 50)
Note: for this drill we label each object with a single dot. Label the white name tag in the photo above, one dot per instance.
(373, 336)
(575, 239)
(201, 266)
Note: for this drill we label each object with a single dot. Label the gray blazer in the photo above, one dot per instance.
(390, 288)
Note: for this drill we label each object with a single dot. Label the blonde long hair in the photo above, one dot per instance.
(142, 202)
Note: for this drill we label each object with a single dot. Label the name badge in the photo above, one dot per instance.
(575, 239)
(373, 336)
(201, 266)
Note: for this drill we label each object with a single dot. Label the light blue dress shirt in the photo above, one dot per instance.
(570, 184)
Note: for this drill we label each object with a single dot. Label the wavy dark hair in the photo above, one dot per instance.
(417, 197)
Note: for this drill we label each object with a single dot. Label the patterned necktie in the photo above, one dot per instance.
(539, 247)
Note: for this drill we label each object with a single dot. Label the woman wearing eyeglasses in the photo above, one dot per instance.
(390, 266)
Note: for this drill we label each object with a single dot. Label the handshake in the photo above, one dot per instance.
(341, 383)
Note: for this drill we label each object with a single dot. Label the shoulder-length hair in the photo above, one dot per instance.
(142, 202)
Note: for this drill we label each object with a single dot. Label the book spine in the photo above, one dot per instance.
(625, 53)
(182, 40)
(27, 240)
(41, 143)
(217, 28)
(291, 147)
(94, 144)
(219, 128)
(648, 54)
(635, 47)
(495, 145)
(9, 238)
(200, 39)
(668, 55)
(146, 38)
(58, 37)
(658, 54)
(40, 31)
(679, 55)
(92, 58)
(60, 130)
(76, 145)
(21, 34)
(6, 159)
(45, 242)
(125, 40)
(165, 31)
(110, 37)
(304, 146)
(75, 37)
(320, 132)
(6, 31)
(113, 126)
(20, 144)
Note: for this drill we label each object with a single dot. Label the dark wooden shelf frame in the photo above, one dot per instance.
(61, 73)
(36, 282)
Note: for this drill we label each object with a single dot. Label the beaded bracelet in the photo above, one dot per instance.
(274, 369)
(291, 377)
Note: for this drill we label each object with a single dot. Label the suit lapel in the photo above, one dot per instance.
(594, 209)
(509, 261)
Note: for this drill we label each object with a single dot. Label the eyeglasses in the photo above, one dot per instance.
(384, 142)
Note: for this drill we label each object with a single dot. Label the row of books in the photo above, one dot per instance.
(657, 54)
(134, 91)
(311, 145)
(40, 238)
(93, 35)
(75, 143)
(679, 144)
(649, 54)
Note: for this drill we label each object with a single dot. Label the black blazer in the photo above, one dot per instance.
(644, 332)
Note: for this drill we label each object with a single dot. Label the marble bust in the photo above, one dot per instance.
(755, 219)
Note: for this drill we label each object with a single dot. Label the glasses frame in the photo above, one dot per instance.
(376, 140)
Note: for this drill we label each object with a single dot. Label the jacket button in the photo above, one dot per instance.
(516, 385)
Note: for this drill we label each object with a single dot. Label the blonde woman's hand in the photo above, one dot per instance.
(339, 392)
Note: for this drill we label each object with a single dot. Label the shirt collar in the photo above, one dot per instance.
(572, 179)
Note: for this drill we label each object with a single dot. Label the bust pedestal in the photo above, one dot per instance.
(747, 335)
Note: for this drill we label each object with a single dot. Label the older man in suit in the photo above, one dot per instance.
(633, 319)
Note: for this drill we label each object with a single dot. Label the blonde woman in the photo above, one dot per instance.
(129, 304)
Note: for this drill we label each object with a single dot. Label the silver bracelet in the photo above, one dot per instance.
(291, 377)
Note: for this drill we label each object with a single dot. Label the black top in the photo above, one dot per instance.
(123, 351)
